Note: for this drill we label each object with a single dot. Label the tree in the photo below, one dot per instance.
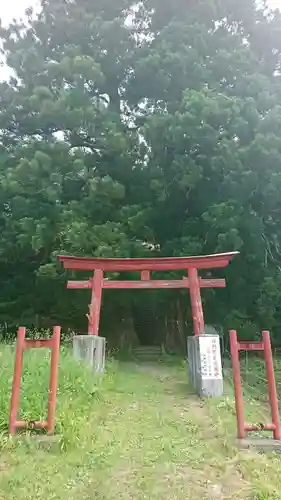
(133, 129)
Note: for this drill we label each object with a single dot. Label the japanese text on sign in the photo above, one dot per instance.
(210, 357)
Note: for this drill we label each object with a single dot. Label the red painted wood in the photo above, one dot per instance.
(265, 345)
(34, 424)
(259, 427)
(16, 381)
(238, 391)
(195, 299)
(53, 384)
(30, 343)
(250, 346)
(151, 264)
(95, 306)
(272, 391)
(145, 275)
(21, 345)
(212, 283)
(79, 284)
(184, 283)
(192, 264)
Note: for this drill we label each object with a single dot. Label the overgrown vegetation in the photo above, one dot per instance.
(135, 432)
(137, 129)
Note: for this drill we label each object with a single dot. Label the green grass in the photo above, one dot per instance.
(133, 433)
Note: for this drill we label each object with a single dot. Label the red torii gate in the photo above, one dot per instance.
(100, 265)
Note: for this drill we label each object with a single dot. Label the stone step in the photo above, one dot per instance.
(145, 349)
(147, 352)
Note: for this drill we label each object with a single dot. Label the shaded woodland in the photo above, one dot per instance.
(136, 129)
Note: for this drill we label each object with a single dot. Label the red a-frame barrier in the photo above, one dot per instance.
(190, 264)
(264, 346)
(21, 345)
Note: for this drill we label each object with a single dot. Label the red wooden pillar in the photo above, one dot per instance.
(95, 306)
(16, 381)
(195, 299)
(238, 390)
(272, 391)
(54, 370)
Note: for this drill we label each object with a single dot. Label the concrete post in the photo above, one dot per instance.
(91, 350)
(204, 365)
(191, 361)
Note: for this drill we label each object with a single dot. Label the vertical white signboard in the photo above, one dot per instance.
(210, 357)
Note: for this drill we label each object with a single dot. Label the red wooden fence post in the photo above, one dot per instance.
(54, 369)
(239, 405)
(272, 392)
(16, 380)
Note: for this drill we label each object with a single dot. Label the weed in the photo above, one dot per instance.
(133, 433)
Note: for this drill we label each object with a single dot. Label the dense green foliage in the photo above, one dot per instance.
(137, 129)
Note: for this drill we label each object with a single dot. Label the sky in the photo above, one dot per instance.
(10, 9)
(15, 8)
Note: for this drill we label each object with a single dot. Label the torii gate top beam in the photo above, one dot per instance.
(147, 264)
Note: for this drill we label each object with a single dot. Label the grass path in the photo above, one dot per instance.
(134, 433)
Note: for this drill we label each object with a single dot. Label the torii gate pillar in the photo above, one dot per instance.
(95, 305)
(196, 303)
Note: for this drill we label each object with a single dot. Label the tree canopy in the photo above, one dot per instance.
(135, 129)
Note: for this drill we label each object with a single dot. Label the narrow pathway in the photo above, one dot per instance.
(136, 433)
(163, 444)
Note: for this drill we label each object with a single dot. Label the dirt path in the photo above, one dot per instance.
(207, 472)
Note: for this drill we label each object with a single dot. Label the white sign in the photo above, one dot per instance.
(210, 357)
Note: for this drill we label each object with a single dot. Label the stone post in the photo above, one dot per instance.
(91, 350)
(204, 365)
